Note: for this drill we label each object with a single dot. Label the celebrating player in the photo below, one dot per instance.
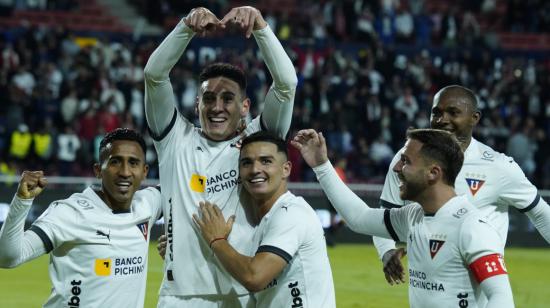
(98, 239)
(201, 164)
(490, 180)
(291, 266)
(449, 242)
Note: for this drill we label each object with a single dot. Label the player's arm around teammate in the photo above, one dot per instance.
(17, 246)
(254, 273)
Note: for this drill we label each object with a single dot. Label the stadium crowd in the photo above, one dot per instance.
(366, 73)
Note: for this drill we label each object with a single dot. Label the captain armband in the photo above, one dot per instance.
(488, 266)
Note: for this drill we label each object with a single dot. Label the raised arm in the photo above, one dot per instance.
(159, 96)
(357, 214)
(279, 101)
(17, 246)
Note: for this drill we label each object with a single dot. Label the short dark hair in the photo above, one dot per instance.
(461, 91)
(264, 136)
(442, 147)
(121, 134)
(226, 70)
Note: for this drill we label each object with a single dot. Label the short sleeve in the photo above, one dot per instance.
(56, 225)
(154, 200)
(478, 238)
(516, 190)
(284, 233)
(398, 221)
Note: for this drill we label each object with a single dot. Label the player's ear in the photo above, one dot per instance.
(287, 168)
(197, 105)
(245, 107)
(434, 173)
(97, 170)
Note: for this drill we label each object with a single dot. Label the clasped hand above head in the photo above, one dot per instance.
(203, 22)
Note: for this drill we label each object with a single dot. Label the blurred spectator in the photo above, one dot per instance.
(68, 145)
(20, 144)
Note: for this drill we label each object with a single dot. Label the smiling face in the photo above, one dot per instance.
(412, 172)
(121, 170)
(221, 105)
(263, 170)
(453, 111)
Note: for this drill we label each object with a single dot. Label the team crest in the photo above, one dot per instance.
(435, 245)
(144, 228)
(474, 185)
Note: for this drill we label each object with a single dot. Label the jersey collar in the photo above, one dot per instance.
(96, 199)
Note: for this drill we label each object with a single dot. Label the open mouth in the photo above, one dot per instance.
(124, 186)
(257, 181)
(217, 120)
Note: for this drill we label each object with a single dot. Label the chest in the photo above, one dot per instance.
(479, 183)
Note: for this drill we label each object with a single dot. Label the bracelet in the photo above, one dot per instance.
(216, 239)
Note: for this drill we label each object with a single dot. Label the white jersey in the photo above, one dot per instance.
(443, 249)
(490, 180)
(194, 168)
(207, 170)
(98, 258)
(292, 231)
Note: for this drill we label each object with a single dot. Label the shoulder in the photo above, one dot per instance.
(487, 154)
(295, 210)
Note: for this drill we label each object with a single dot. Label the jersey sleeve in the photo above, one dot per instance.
(17, 246)
(279, 100)
(155, 199)
(515, 189)
(284, 234)
(356, 213)
(480, 247)
(57, 225)
(160, 102)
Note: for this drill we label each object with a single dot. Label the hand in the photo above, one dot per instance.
(246, 17)
(312, 146)
(393, 268)
(202, 21)
(212, 223)
(31, 184)
(161, 246)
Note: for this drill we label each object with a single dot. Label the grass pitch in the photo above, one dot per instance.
(358, 279)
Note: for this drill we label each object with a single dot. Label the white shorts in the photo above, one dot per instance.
(207, 301)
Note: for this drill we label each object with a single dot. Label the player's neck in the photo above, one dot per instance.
(464, 142)
(264, 204)
(435, 197)
(111, 203)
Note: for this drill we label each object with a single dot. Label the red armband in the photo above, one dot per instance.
(488, 266)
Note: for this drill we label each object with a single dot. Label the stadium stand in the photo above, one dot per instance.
(367, 71)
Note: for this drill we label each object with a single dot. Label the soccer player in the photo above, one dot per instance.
(291, 266)
(454, 252)
(98, 239)
(201, 164)
(490, 180)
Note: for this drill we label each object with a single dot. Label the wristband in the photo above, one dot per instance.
(216, 239)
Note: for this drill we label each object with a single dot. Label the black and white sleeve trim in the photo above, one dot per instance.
(531, 206)
(388, 205)
(278, 251)
(387, 222)
(166, 130)
(43, 236)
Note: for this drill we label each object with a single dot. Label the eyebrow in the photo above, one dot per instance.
(122, 157)
(260, 157)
